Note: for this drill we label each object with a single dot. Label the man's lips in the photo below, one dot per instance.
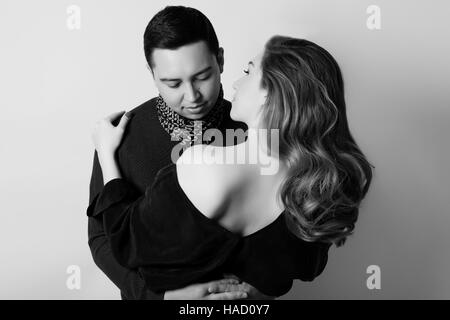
(196, 106)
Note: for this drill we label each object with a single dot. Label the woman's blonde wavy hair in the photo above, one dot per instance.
(328, 174)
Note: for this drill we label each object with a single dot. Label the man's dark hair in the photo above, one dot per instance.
(176, 26)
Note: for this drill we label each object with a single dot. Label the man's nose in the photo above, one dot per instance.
(191, 94)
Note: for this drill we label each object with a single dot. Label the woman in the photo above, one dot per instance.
(201, 219)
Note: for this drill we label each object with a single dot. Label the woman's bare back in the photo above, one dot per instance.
(237, 196)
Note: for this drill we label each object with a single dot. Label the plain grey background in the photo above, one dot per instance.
(56, 82)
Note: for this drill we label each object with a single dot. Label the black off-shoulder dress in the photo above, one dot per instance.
(172, 244)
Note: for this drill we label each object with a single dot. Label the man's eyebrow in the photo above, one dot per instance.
(250, 63)
(195, 75)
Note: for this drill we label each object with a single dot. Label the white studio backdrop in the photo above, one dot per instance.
(57, 80)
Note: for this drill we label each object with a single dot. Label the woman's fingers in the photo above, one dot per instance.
(106, 136)
(220, 285)
(227, 296)
(124, 121)
(227, 287)
(114, 116)
(231, 281)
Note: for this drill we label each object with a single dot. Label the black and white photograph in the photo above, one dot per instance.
(225, 150)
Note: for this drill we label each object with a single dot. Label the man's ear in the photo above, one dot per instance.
(220, 59)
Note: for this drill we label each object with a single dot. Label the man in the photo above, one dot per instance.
(186, 62)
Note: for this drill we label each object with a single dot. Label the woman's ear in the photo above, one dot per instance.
(220, 59)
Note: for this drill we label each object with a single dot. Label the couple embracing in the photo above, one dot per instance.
(165, 227)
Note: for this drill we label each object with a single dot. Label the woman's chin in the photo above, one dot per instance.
(234, 116)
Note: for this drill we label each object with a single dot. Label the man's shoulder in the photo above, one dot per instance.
(145, 108)
(144, 118)
(144, 123)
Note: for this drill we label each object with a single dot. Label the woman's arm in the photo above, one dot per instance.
(110, 168)
(107, 138)
(130, 283)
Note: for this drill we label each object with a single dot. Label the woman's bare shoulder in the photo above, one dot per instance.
(207, 183)
(209, 163)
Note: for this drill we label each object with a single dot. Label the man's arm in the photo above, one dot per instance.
(127, 280)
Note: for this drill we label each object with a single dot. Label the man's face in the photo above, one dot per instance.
(188, 78)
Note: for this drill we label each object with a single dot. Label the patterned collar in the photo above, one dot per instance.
(185, 130)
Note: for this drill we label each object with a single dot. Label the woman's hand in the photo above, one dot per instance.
(252, 292)
(106, 136)
(107, 139)
(225, 289)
